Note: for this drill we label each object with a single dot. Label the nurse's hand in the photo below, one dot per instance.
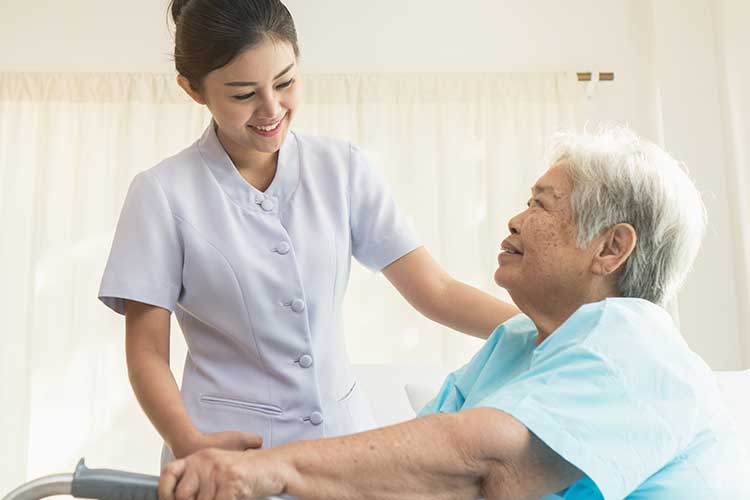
(223, 475)
(228, 440)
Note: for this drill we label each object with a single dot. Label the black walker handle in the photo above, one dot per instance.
(106, 484)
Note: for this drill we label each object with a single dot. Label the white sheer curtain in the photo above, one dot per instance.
(69, 145)
(733, 44)
(460, 152)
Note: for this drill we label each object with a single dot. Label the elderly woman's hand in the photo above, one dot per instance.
(222, 475)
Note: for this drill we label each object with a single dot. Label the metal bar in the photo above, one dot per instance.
(58, 484)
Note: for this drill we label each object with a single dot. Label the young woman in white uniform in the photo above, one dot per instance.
(247, 235)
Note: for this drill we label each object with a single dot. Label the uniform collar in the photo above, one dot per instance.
(243, 193)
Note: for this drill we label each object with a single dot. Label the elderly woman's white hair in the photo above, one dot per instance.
(618, 178)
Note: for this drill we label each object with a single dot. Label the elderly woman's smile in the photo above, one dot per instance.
(541, 262)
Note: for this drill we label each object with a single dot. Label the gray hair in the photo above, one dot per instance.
(619, 178)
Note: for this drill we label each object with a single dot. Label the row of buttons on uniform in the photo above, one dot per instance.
(283, 248)
(315, 418)
(297, 305)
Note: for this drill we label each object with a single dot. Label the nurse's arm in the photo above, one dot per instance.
(435, 294)
(147, 330)
(147, 352)
(475, 453)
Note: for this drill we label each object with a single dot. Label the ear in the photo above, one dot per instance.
(195, 95)
(614, 248)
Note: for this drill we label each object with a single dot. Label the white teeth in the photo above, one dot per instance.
(268, 128)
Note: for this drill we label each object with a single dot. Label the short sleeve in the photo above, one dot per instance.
(145, 262)
(448, 399)
(575, 403)
(380, 233)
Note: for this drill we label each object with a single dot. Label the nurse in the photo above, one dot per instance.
(247, 236)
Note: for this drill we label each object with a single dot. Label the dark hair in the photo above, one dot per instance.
(211, 33)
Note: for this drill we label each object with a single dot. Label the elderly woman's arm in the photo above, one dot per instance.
(471, 454)
(440, 297)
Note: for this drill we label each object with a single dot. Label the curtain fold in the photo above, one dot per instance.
(733, 45)
(459, 152)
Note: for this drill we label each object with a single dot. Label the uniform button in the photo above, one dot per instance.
(316, 418)
(283, 248)
(306, 361)
(259, 198)
(298, 305)
(267, 205)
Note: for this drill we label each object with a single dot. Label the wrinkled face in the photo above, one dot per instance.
(540, 260)
(254, 98)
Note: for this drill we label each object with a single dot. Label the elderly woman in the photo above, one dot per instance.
(590, 393)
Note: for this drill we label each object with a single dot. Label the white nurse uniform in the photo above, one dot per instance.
(256, 279)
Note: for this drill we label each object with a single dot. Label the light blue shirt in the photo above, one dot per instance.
(616, 392)
(256, 279)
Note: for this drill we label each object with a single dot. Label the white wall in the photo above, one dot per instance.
(662, 51)
(343, 36)
(335, 35)
(689, 76)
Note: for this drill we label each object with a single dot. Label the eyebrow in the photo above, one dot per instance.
(252, 84)
(539, 189)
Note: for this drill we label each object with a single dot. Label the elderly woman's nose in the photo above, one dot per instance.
(514, 224)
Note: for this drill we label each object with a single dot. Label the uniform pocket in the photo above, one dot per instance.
(252, 406)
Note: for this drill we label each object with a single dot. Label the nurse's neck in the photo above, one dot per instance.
(256, 167)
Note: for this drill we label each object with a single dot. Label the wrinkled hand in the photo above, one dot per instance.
(229, 440)
(223, 475)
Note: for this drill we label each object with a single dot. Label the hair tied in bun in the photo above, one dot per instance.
(176, 7)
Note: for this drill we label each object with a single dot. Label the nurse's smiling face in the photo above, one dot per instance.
(254, 98)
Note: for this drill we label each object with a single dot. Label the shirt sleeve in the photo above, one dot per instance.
(448, 399)
(452, 394)
(145, 262)
(576, 403)
(380, 233)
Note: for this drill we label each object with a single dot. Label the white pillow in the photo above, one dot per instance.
(420, 394)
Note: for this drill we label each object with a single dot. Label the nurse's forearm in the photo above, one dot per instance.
(157, 392)
(436, 457)
(147, 331)
(470, 310)
(434, 293)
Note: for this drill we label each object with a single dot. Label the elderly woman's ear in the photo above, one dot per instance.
(614, 247)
